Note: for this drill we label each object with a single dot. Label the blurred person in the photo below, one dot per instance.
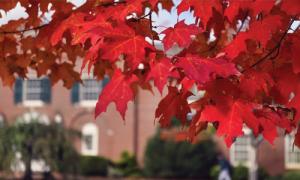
(225, 168)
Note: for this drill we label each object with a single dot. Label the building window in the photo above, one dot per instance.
(89, 141)
(292, 153)
(87, 93)
(32, 92)
(2, 119)
(90, 89)
(33, 116)
(240, 151)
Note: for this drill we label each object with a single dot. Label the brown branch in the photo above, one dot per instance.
(277, 107)
(243, 22)
(237, 32)
(141, 17)
(151, 27)
(24, 30)
(276, 48)
(44, 25)
(106, 4)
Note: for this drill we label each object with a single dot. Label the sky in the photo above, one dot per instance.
(19, 12)
(162, 19)
(165, 18)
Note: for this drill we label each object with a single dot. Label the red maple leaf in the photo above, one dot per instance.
(262, 94)
(180, 34)
(290, 7)
(295, 52)
(160, 70)
(124, 41)
(254, 82)
(286, 82)
(94, 30)
(69, 23)
(295, 103)
(269, 120)
(196, 126)
(166, 4)
(205, 69)
(91, 55)
(202, 9)
(260, 31)
(269, 129)
(297, 138)
(233, 8)
(118, 90)
(121, 11)
(250, 8)
(173, 105)
(231, 116)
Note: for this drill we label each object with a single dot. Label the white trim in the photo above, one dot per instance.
(249, 149)
(87, 103)
(37, 165)
(30, 103)
(233, 153)
(90, 129)
(83, 102)
(27, 117)
(86, 75)
(287, 146)
(33, 103)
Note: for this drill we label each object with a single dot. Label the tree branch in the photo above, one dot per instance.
(106, 4)
(275, 49)
(243, 22)
(44, 25)
(151, 27)
(24, 30)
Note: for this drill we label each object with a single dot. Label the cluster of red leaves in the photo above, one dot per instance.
(249, 73)
(25, 43)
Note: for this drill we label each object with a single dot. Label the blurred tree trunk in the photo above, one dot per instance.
(28, 159)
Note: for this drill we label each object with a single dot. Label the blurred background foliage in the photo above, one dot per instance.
(168, 158)
(163, 158)
(25, 142)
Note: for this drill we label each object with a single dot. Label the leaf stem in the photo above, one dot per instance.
(243, 22)
(275, 49)
(151, 27)
(24, 30)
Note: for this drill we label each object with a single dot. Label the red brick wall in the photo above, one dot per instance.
(270, 157)
(115, 135)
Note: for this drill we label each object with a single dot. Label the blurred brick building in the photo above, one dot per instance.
(109, 135)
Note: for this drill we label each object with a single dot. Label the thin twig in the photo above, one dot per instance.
(276, 48)
(142, 17)
(106, 4)
(44, 25)
(151, 27)
(243, 22)
(24, 30)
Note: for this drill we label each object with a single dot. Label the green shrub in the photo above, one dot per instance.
(278, 177)
(169, 159)
(291, 175)
(262, 174)
(126, 166)
(66, 156)
(94, 166)
(240, 173)
(215, 171)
